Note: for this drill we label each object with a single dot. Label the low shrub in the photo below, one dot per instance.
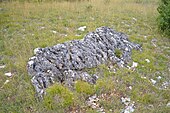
(164, 16)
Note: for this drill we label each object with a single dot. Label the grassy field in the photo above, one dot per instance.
(25, 26)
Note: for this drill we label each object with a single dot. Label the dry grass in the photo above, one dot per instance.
(25, 26)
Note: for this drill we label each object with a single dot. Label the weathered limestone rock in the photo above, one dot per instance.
(64, 62)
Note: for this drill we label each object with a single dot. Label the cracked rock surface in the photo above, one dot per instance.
(65, 62)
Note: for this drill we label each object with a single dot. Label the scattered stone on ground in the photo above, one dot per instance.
(83, 28)
(129, 106)
(165, 85)
(143, 77)
(147, 60)
(134, 65)
(2, 66)
(130, 87)
(42, 28)
(134, 19)
(55, 32)
(145, 37)
(153, 81)
(93, 102)
(168, 104)
(159, 77)
(5, 83)
(9, 74)
(64, 63)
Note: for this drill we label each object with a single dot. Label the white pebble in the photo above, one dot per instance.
(124, 100)
(9, 74)
(147, 60)
(6, 82)
(168, 104)
(159, 77)
(145, 37)
(130, 87)
(42, 28)
(54, 32)
(3, 66)
(143, 77)
(153, 81)
(134, 19)
(129, 109)
(82, 28)
(134, 65)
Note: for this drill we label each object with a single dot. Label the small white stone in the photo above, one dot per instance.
(9, 74)
(3, 66)
(42, 28)
(168, 104)
(145, 37)
(130, 87)
(134, 19)
(82, 28)
(129, 109)
(143, 77)
(126, 111)
(6, 82)
(147, 60)
(159, 77)
(124, 100)
(135, 64)
(54, 32)
(165, 84)
(153, 81)
(127, 99)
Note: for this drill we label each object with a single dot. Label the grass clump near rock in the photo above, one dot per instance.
(57, 97)
(84, 87)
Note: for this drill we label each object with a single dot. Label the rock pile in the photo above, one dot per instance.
(65, 62)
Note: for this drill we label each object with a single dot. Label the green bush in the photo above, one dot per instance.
(164, 16)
